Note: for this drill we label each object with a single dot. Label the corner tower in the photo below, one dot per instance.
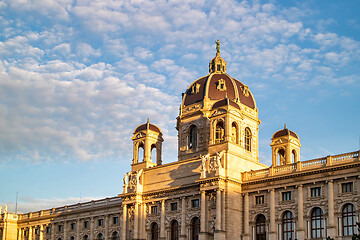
(147, 137)
(285, 147)
(218, 113)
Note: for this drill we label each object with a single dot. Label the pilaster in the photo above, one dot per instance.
(272, 232)
(300, 233)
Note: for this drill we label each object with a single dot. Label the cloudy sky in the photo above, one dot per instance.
(77, 77)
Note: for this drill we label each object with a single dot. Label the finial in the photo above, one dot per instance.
(147, 123)
(217, 46)
(284, 125)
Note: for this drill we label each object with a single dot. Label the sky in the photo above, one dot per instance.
(77, 77)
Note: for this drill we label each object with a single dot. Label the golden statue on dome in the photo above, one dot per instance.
(217, 46)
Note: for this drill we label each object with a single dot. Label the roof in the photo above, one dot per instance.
(147, 126)
(284, 132)
(207, 86)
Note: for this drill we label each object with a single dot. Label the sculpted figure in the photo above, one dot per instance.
(218, 158)
(217, 46)
(203, 163)
(138, 175)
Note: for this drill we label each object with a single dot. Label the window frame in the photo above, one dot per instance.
(317, 226)
(315, 192)
(286, 196)
(288, 227)
(174, 206)
(247, 139)
(195, 203)
(347, 186)
(349, 226)
(259, 199)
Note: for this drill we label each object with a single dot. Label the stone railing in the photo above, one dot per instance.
(302, 166)
(78, 206)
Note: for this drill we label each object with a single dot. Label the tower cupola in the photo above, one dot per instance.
(147, 138)
(217, 64)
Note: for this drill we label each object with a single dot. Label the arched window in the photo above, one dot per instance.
(192, 137)
(154, 231)
(174, 230)
(288, 225)
(100, 236)
(281, 157)
(115, 236)
(195, 228)
(260, 227)
(234, 133)
(141, 152)
(247, 139)
(349, 220)
(86, 237)
(293, 156)
(317, 223)
(72, 238)
(153, 153)
(219, 132)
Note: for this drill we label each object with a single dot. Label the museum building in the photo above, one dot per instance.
(217, 189)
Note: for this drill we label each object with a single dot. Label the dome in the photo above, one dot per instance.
(147, 126)
(284, 132)
(218, 85)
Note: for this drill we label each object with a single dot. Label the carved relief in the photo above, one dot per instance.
(220, 85)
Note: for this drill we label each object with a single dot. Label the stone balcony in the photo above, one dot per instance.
(329, 161)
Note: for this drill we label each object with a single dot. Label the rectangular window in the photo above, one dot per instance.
(173, 206)
(72, 226)
(347, 187)
(47, 229)
(86, 224)
(259, 199)
(315, 192)
(286, 196)
(37, 231)
(115, 220)
(100, 222)
(25, 233)
(153, 209)
(195, 203)
(60, 228)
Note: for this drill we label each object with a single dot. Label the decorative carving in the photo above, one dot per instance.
(140, 135)
(220, 85)
(195, 88)
(245, 90)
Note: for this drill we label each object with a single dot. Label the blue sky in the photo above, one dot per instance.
(77, 77)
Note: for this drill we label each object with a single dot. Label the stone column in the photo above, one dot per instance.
(218, 210)
(143, 221)
(92, 227)
(300, 233)
(106, 227)
(30, 233)
(124, 222)
(19, 234)
(272, 232)
(331, 231)
(246, 217)
(65, 230)
(41, 233)
(162, 227)
(219, 234)
(136, 220)
(52, 231)
(183, 217)
(203, 234)
(77, 228)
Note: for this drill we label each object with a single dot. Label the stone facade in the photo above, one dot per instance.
(217, 189)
